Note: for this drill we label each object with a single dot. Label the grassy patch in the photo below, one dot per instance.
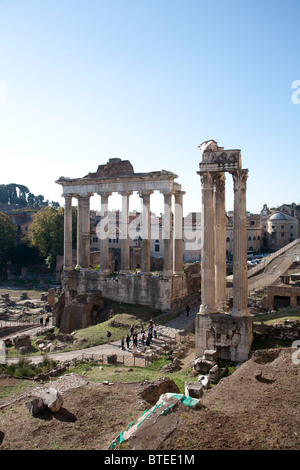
(281, 315)
(14, 387)
(24, 368)
(120, 374)
(124, 316)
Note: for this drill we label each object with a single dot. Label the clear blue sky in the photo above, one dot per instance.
(83, 81)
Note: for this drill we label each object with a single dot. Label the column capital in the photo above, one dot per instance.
(145, 193)
(104, 193)
(207, 179)
(240, 179)
(219, 182)
(178, 193)
(166, 192)
(83, 197)
(125, 192)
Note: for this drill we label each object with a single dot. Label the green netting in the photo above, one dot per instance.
(188, 401)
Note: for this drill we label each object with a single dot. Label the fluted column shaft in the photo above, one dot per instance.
(178, 242)
(68, 232)
(167, 235)
(208, 303)
(220, 240)
(240, 274)
(79, 231)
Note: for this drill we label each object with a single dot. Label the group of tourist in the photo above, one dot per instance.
(145, 338)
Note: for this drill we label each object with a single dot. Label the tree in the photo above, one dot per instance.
(13, 194)
(47, 233)
(8, 231)
(18, 194)
(24, 253)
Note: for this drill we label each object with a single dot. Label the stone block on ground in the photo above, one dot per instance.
(52, 399)
(193, 389)
(203, 365)
(211, 355)
(35, 406)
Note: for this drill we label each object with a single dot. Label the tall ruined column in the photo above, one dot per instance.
(146, 259)
(220, 240)
(86, 232)
(68, 232)
(103, 235)
(79, 230)
(240, 274)
(208, 301)
(124, 233)
(178, 242)
(167, 235)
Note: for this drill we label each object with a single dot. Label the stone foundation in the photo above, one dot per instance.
(230, 336)
(85, 291)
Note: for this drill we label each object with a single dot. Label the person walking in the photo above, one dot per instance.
(127, 340)
(150, 335)
(123, 343)
(155, 331)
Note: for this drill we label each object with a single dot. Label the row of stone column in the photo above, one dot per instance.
(213, 260)
(172, 239)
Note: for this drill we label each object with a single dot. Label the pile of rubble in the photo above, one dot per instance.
(289, 329)
(51, 342)
(24, 308)
(209, 372)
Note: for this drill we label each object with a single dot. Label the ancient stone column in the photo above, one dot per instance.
(86, 232)
(103, 235)
(167, 235)
(79, 230)
(124, 233)
(240, 274)
(220, 240)
(146, 259)
(208, 301)
(178, 241)
(68, 232)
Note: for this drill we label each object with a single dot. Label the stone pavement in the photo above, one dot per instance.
(165, 334)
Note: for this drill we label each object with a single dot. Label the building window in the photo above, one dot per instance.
(292, 226)
(291, 235)
(282, 234)
(227, 239)
(156, 246)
